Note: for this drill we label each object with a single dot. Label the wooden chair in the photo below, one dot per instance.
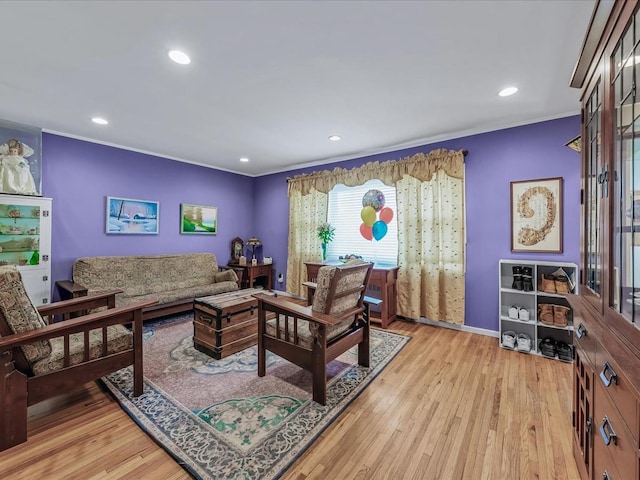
(40, 359)
(314, 335)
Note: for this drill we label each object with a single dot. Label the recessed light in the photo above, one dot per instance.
(505, 92)
(179, 57)
(100, 120)
(244, 159)
(335, 138)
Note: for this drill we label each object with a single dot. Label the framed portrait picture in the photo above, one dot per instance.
(20, 159)
(127, 215)
(198, 219)
(536, 215)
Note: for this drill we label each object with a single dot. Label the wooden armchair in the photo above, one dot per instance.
(312, 336)
(40, 359)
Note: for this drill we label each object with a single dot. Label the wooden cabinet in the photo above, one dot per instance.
(25, 241)
(254, 275)
(606, 403)
(382, 285)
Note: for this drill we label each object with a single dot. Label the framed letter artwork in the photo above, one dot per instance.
(536, 215)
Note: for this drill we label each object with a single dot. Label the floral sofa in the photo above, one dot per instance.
(173, 280)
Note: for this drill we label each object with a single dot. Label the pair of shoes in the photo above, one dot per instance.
(522, 278)
(565, 351)
(548, 347)
(551, 283)
(509, 339)
(519, 313)
(524, 342)
(553, 315)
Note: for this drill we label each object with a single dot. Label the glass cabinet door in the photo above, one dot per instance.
(594, 181)
(625, 297)
(19, 234)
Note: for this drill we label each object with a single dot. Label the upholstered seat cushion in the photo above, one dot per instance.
(180, 293)
(119, 338)
(307, 331)
(20, 314)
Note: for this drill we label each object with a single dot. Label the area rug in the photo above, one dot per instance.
(219, 420)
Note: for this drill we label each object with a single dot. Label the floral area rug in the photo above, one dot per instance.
(219, 420)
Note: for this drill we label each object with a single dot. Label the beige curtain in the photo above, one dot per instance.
(306, 212)
(430, 228)
(431, 248)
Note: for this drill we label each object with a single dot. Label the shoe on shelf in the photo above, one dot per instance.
(523, 314)
(560, 315)
(527, 281)
(513, 312)
(524, 342)
(517, 278)
(562, 285)
(545, 313)
(548, 347)
(548, 283)
(509, 339)
(565, 351)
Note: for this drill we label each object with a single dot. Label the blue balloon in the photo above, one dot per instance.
(379, 230)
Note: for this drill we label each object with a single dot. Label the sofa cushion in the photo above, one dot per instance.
(119, 339)
(19, 312)
(138, 275)
(179, 294)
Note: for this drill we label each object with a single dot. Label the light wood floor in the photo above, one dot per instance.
(451, 405)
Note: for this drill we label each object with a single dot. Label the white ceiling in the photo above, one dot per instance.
(271, 80)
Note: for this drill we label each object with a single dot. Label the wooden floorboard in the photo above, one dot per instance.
(451, 405)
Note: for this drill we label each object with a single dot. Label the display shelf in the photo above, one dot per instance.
(531, 300)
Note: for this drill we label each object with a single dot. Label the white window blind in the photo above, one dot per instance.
(345, 206)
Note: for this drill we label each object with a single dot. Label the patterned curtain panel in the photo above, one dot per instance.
(431, 238)
(306, 212)
(431, 243)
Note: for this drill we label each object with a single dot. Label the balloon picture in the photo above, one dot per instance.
(373, 198)
(368, 215)
(366, 232)
(379, 230)
(386, 215)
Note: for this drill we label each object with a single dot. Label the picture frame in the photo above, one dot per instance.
(198, 219)
(536, 215)
(132, 216)
(20, 159)
(237, 250)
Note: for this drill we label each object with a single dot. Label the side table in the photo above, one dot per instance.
(248, 274)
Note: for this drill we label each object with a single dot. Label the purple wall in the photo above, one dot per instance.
(495, 159)
(78, 175)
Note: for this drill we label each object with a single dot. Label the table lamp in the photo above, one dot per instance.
(253, 242)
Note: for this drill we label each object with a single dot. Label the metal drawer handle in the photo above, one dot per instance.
(603, 375)
(605, 476)
(610, 435)
(581, 331)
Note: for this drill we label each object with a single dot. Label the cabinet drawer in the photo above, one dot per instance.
(620, 455)
(619, 391)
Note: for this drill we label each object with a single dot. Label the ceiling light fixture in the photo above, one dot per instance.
(505, 92)
(244, 159)
(100, 120)
(335, 138)
(179, 57)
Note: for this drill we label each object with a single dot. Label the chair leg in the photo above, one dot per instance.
(138, 369)
(364, 347)
(13, 404)
(319, 367)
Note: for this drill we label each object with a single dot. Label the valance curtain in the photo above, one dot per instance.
(430, 213)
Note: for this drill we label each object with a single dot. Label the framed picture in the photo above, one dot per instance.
(127, 215)
(20, 157)
(536, 215)
(199, 219)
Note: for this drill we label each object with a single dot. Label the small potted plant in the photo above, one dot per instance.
(326, 232)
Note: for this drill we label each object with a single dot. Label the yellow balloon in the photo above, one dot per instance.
(368, 215)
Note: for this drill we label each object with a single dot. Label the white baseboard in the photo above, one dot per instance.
(453, 326)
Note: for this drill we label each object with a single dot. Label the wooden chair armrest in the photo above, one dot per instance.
(71, 289)
(114, 316)
(80, 303)
(280, 305)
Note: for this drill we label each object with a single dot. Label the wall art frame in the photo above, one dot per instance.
(198, 219)
(132, 216)
(536, 215)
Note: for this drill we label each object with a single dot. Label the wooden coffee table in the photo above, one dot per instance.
(226, 323)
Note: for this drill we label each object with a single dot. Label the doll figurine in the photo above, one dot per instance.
(15, 175)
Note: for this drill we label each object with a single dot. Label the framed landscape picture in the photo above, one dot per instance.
(536, 215)
(198, 219)
(127, 215)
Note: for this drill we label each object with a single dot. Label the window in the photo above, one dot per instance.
(345, 207)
